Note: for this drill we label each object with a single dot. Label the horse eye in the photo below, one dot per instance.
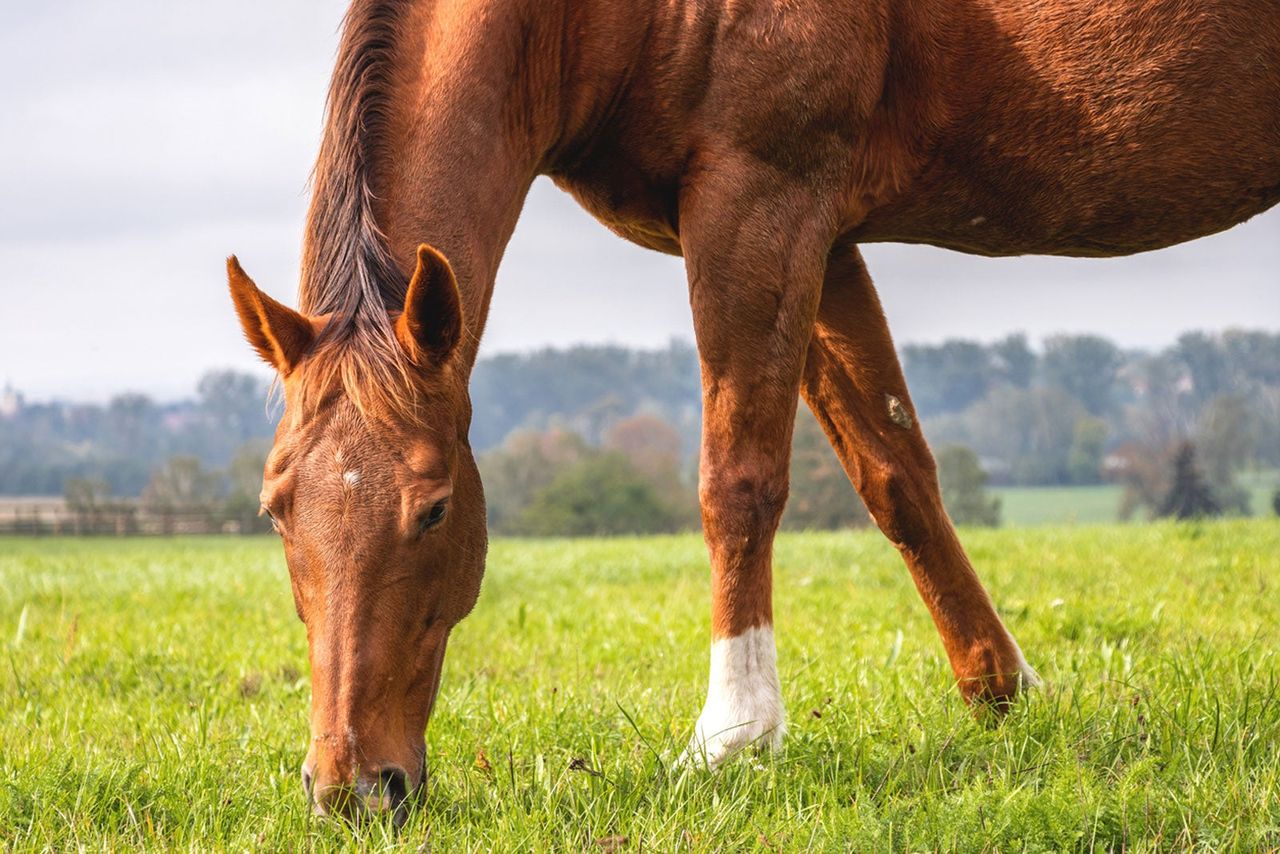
(275, 526)
(433, 517)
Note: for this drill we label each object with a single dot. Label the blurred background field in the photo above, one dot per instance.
(1049, 505)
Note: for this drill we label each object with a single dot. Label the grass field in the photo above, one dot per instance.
(1077, 505)
(154, 695)
(1058, 505)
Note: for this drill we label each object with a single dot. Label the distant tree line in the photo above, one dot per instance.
(554, 482)
(585, 389)
(181, 495)
(563, 433)
(1084, 411)
(121, 443)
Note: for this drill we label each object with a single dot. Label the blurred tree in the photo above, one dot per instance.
(85, 493)
(1206, 363)
(594, 420)
(244, 486)
(88, 498)
(1162, 410)
(1225, 440)
(1252, 357)
(601, 495)
(964, 488)
(947, 377)
(1015, 362)
(588, 387)
(180, 487)
(526, 464)
(1085, 366)
(1143, 470)
(1189, 496)
(652, 446)
(134, 428)
(1266, 407)
(821, 497)
(231, 409)
(1084, 463)
(1028, 433)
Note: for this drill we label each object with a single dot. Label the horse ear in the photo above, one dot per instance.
(281, 335)
(431, 323)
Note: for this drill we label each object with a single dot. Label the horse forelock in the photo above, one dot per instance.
(368, 367)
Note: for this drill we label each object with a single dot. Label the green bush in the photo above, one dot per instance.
(964, 488)
(603, 494)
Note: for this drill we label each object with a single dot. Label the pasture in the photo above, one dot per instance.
(154, 695)
(1100, 504)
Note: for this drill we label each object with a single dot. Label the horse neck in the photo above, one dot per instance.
(465, 139)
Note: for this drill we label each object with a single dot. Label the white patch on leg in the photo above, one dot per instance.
(1030, 679)
(744, 700)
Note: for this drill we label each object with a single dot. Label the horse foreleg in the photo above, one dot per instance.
(754, 284)
(854, 385)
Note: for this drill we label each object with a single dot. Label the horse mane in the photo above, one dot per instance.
(348, 272)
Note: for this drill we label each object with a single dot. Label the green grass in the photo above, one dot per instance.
(1058, 505)
(1262, 487)
(153, 695)
(1081, 505)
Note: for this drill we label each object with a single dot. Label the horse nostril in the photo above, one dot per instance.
(383, 792)
(394, 784)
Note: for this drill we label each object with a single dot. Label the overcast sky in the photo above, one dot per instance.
(142, 142)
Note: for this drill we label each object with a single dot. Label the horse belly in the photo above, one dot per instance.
(1093, 215)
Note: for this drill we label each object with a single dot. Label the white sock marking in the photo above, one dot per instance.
(1030, 679)
(744, 699)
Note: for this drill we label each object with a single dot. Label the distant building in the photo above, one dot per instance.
(10, 402)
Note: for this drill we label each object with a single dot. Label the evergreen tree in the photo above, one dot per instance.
(1189, 497)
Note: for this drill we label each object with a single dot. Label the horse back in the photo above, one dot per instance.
(1092, 128)
(1088, 127)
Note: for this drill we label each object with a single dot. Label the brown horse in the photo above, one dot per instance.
(763, 140)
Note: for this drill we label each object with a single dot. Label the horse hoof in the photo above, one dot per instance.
(999, 686)
(719, 735)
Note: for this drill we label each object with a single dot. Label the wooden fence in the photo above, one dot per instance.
(52, 517)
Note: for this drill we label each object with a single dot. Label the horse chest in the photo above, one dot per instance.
(628, 201)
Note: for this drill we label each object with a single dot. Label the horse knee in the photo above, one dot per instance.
(742, 504)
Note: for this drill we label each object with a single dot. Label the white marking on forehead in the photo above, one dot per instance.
(351, 478)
